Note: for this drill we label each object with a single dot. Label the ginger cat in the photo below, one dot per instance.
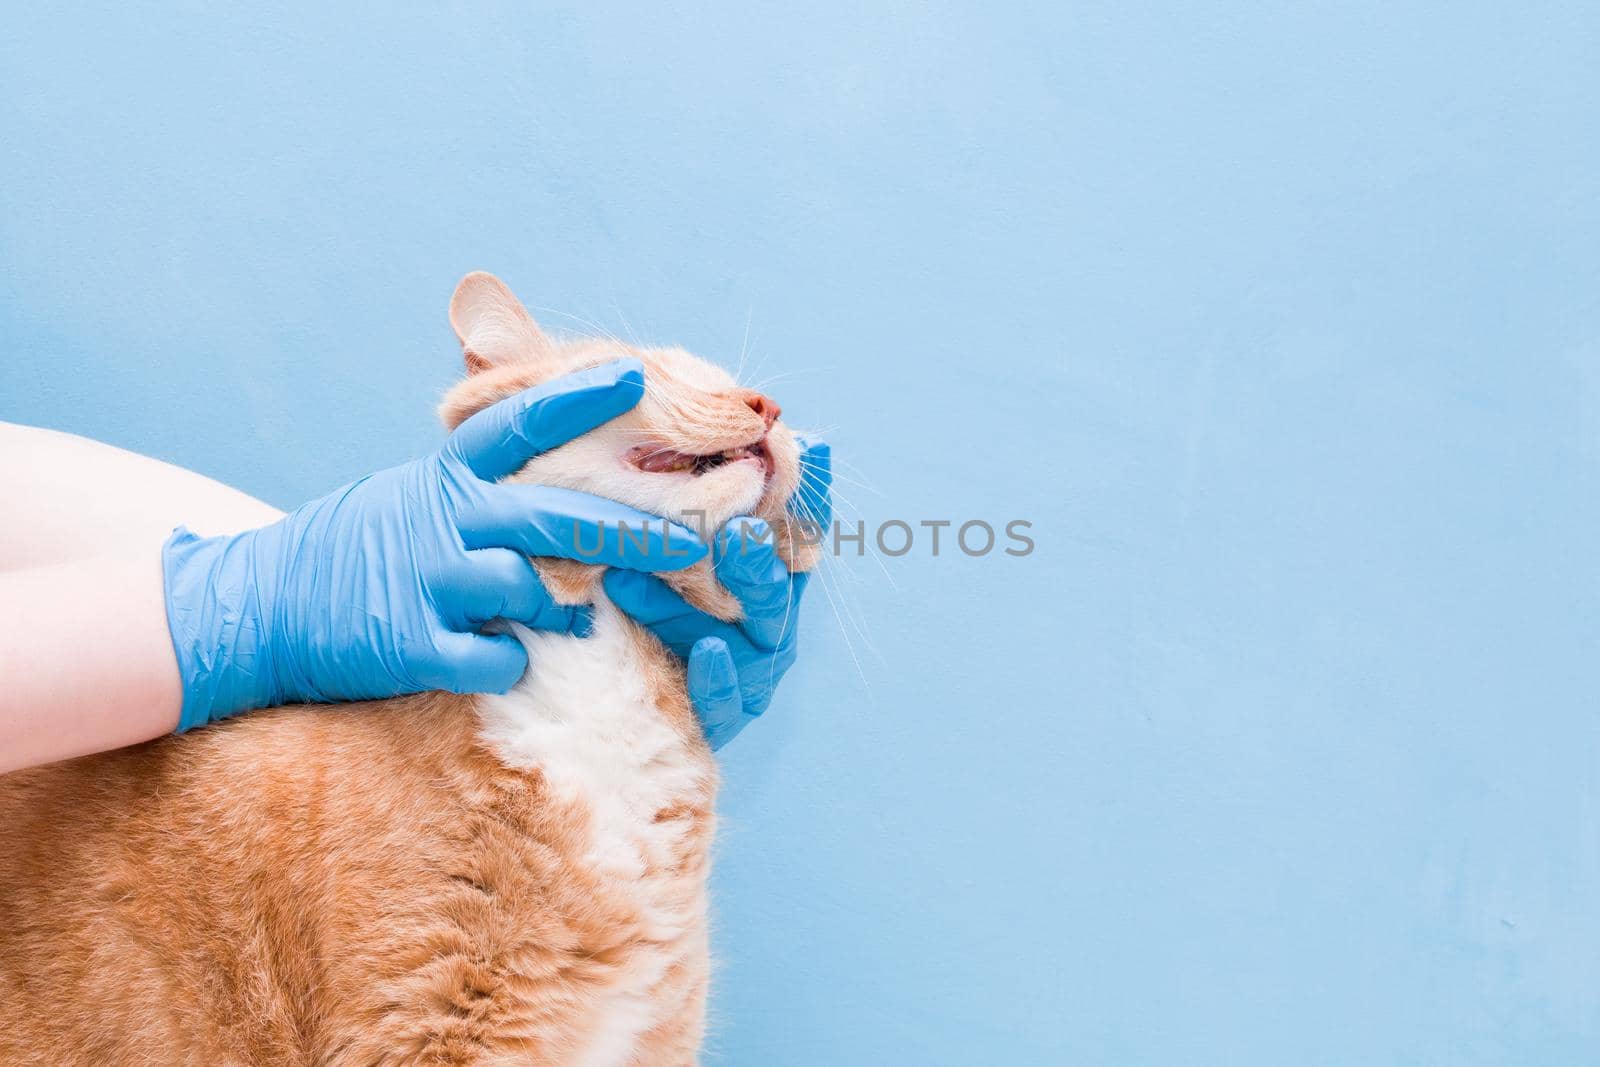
(432, 879)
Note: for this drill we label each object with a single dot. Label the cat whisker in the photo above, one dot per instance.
(835, 475)
(744, 343)
(600, 334)
(839, 497)
(844, 632)
(828, 578)
(838, 477)
(626, 325)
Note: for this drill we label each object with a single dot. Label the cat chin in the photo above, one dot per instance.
(714, 498)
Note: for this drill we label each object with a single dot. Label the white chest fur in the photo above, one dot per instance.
(584, 715)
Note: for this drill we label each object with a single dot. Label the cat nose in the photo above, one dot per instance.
(764, 406)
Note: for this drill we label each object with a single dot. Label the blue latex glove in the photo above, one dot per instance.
(380, 588)
(733, 669)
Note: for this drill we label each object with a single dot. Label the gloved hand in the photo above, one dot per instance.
(380, 588)
(733, 669)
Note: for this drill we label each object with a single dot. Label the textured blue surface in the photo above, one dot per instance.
(1283, 328)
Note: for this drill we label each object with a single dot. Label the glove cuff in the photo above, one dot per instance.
(215, 617)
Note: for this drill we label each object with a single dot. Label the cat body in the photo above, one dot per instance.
(404, 881)
(439, 879)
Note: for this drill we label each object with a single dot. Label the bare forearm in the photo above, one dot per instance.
(70, 498)
(86, 661)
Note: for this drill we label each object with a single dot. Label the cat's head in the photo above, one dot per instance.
(698, 448)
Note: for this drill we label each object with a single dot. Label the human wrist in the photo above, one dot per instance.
(219, 615)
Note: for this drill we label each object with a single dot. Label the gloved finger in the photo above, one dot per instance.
(502, 437)
(714, 689)
(497, 583)
(747, 564)
(473, 663)
(676, 622)
(719, 738)
(812, 500)
(759, 676)
(542, 520)
(647, 598)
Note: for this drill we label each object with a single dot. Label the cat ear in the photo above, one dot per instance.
(493, 327)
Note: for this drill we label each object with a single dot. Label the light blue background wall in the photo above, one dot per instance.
(1282, 326)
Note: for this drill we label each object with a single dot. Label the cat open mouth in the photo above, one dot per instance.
(658, 460)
